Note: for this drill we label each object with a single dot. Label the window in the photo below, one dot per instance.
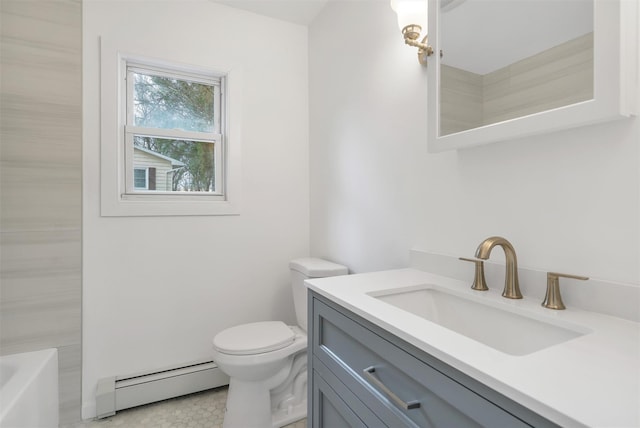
(176, 122)
(141, 178)
(173, 133)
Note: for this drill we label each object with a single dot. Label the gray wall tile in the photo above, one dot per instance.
(40, 185)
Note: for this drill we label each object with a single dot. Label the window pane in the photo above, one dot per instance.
(140, 178)
(170, 103)
(178, 165)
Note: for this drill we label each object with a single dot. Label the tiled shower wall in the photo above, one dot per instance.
(40, 185)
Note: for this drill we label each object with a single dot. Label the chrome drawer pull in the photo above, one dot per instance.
(368, 373)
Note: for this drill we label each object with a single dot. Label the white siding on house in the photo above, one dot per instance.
(147, 160)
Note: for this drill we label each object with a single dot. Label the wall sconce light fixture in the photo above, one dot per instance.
(412, 19)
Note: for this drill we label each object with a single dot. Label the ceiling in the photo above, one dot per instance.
(301, 12)
(472, 34)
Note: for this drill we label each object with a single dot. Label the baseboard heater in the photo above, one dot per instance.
(122, 392)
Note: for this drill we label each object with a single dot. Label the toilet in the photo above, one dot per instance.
(267, 361)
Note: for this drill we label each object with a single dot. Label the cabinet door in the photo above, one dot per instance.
(334, 406)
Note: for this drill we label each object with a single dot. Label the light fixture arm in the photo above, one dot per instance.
(420, 45)
(411, 34)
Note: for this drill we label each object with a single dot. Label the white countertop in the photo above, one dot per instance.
(592, 380)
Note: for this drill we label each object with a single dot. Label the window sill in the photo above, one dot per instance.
(128, 207)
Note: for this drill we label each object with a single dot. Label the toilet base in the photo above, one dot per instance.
(250, 407)
(247, 406)
(290, 416)
(272, 403)
(289, 400)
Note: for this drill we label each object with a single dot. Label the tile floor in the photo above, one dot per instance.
(201, 410)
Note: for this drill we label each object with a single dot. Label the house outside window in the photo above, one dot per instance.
(154, 171)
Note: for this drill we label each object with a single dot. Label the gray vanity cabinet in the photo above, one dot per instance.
(363, 376)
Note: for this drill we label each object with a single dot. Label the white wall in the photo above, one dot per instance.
(156, 290)
(568, 201)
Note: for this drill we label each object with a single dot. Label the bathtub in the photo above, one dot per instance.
(29, 389)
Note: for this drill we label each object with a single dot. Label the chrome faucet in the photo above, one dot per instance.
(511, 286)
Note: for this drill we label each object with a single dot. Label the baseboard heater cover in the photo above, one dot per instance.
(122, 392)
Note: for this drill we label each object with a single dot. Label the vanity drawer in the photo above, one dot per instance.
(402, 388)
(336, 405)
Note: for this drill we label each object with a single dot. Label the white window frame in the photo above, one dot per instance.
(216, 137)
(116, 199)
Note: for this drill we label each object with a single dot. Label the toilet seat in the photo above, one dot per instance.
(254, 338)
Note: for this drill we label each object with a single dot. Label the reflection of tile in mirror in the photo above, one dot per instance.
(557, 77)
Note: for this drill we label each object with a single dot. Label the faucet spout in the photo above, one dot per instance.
(511, 285)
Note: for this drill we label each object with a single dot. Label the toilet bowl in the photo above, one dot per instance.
(267, 362)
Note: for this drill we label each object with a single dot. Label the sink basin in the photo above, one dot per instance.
(500, 328)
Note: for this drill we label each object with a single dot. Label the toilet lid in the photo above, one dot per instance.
(254, 338)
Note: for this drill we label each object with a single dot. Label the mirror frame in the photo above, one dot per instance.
(615, 83)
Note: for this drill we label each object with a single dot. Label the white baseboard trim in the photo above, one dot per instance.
(122, 392)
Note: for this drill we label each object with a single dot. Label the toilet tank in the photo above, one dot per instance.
(307, 268)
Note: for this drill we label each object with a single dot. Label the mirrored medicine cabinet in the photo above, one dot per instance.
(511, 68)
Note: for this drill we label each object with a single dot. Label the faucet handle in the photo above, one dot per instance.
(479, 283)
(553, 299)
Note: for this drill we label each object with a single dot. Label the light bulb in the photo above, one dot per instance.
(411, 12)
